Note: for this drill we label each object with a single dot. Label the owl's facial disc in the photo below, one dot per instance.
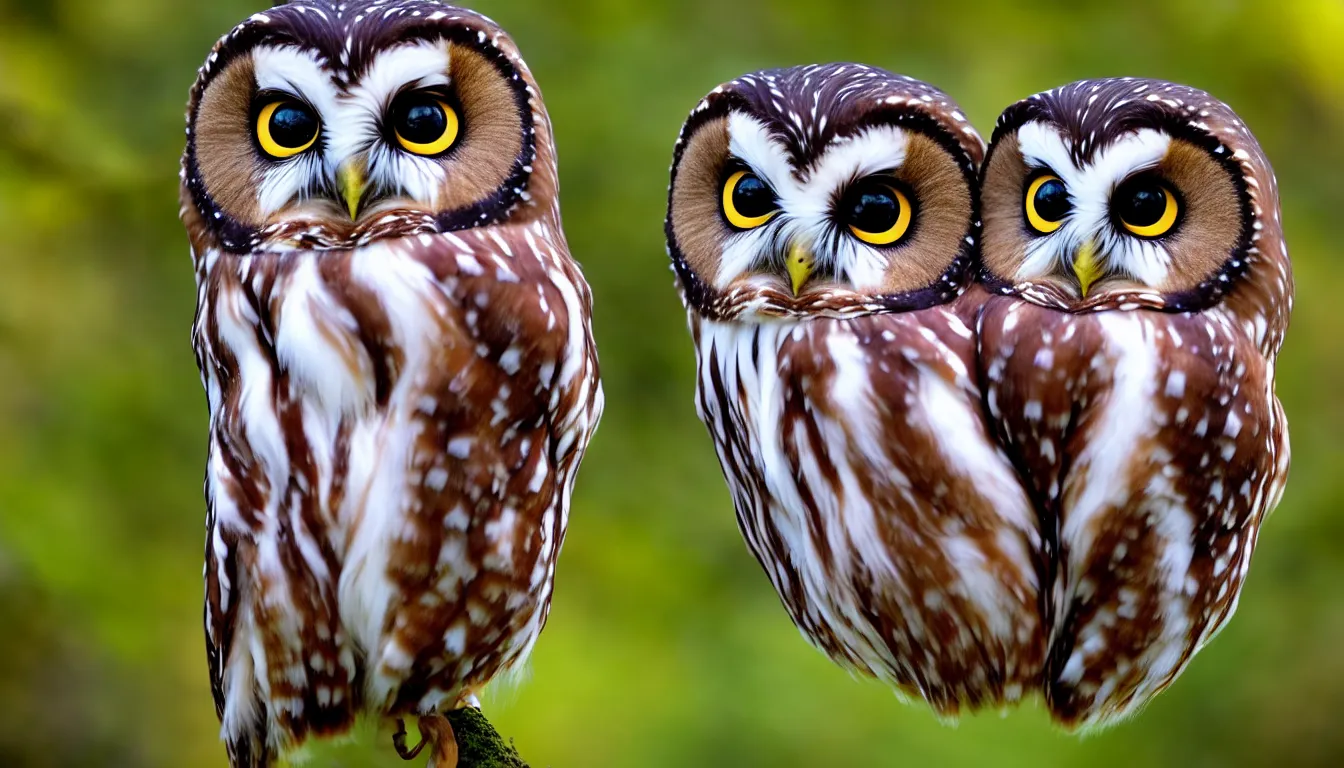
(865, 211)
(372, 130)
(850, 220)
(1133, 203)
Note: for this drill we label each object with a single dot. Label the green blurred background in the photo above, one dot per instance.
(666, 646)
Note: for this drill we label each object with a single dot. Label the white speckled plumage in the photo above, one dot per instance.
(846, 413)
(400, 397)
(1141, 413)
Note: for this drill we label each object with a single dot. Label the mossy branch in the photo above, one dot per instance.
(479, 745)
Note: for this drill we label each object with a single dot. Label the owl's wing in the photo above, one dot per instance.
(247, 742)
(520, 304)
(221, 552)
(500, 412)
(279, 662)
(225, 574)
(221, 572)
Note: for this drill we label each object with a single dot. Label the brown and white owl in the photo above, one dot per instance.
(822, 224)
(396, 349)
(1132, 229)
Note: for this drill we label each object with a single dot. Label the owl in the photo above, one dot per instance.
(1142, 290)
(396, 349)
(822, 225)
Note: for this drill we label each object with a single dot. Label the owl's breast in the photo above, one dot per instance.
(1153, 445)
(349, 325)
(1103, 394)
(866, 484)
(426, 405)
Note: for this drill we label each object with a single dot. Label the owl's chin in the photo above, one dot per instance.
(766, 296)
(1063, 293)
(313, 230)
(761, 299)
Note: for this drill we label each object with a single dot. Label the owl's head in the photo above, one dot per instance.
(1127, 192)
(823, 190)
(319, 124)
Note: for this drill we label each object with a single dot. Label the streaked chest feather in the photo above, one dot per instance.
(397, 429)
(865, 483)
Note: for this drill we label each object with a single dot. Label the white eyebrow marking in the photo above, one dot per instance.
(298, 72)
(872, 150)
(749, 140)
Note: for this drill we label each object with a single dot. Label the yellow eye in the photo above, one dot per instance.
(287, 127)
(878, 213)
(1146, 207)
(424, 124)
(1047, 203)
(748, 202)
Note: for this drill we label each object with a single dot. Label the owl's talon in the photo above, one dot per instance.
(437, 729)
(399, 742)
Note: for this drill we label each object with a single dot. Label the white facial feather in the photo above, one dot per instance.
(301, 74)
(1090, 188)
(873, 150)
(298, 72)
(749, 140)
(807, 199)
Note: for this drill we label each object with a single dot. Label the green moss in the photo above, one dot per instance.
(479, 745)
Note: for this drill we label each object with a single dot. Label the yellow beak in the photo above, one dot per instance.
(800, 264)
(1086, 267)
(352, 183)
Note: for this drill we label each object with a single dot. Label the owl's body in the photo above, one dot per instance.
(867, 484)
(1157, 446)
(395, 436)
(401, 393)
(1129, 370)
(836, 375)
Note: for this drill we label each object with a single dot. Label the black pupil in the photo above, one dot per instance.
(292, 125)
(752, 198)
(422, 121)
(1052, 200)
(875, 210)
(1143, 205)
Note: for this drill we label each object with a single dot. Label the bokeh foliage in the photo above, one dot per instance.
(666, 646)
